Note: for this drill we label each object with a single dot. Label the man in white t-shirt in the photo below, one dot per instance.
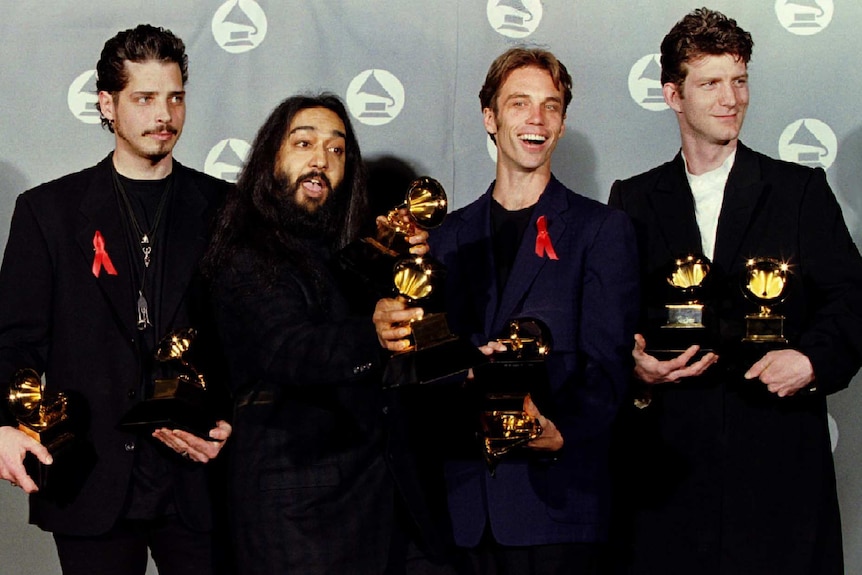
(728, 468)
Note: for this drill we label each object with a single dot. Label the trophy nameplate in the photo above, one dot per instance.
(371, 258)
(684, 324)
(180, 402)
(764, 283)
(435, 353)
(45, 417)
(502, 385)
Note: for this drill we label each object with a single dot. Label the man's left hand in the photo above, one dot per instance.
(551, 438)
(193, 447)
(784, 372)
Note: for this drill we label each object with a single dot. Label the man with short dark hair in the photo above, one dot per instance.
(99, 266)
(531, 248)
(727, 466)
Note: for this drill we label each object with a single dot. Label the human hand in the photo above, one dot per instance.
(392, 320)
(14, 445)
(783, 371)
(551, 439)
(193, 447)
(492, 347)
(416, 237)
(651, 370)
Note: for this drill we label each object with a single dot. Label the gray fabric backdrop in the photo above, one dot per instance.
(410, 72)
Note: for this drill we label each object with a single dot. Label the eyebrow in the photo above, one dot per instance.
(154, 92)
(337, 133)
(525, 95)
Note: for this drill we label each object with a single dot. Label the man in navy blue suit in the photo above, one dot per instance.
(530, 247)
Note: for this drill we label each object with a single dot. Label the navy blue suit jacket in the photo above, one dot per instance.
(589, 300)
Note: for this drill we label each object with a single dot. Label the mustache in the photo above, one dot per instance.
(161, 128)
(314, 174)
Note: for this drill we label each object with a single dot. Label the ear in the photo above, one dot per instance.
(562, 128)
(106, 105)
(490, 121)
(672, 96)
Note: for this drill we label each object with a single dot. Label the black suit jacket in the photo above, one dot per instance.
(78, 328)
(310, 490)
(729, 476)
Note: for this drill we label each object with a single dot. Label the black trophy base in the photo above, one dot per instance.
(73, 461)
(769, 329)
(438, 363)
(669, 342)
(170, 413)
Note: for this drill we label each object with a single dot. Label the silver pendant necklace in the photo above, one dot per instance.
(146, 240)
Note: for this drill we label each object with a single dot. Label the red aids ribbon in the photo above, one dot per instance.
(543, 240)
(102, 258)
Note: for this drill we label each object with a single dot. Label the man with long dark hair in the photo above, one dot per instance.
(310, 489)
(727, 469)
(98, 268)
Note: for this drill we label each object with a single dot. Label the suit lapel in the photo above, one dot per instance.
(186, 240)
(552, 203)
(476, 231)
(741, 195)
(673, 207)
(99, 212)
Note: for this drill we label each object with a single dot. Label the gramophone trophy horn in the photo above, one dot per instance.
(42, 415)
(765, 283)
(178, 402)
(435, 352)
(503, 384)
(371, 258)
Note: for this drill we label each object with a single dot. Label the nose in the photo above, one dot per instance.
(163, 112)
(727, 96)
(319, 158)
(537, 115)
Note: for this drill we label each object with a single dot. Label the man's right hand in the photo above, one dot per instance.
(651, 370)
(14, 445)
(392, 320)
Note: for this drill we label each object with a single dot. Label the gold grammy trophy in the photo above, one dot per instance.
(435, 352)
(42, 415)
(764, 282)
(179, 402)
(503, 384)
(371, 258)
(684, 325)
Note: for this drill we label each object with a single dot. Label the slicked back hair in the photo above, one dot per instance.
(143, 43)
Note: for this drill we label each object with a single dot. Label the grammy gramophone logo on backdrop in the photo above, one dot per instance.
(225, 160)
(514, 18)
(239, 26)
(375, 97)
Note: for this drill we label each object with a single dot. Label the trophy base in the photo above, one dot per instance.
(765, 329)
(672, 340)
(74, 459)
(171, 413)
(432, 364)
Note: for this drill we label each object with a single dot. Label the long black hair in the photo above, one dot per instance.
(250, 218)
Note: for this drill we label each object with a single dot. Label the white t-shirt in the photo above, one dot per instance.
(708, 192)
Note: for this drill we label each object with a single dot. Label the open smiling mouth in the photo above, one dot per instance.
(532, 138)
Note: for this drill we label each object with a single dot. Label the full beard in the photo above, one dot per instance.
(314, 218)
